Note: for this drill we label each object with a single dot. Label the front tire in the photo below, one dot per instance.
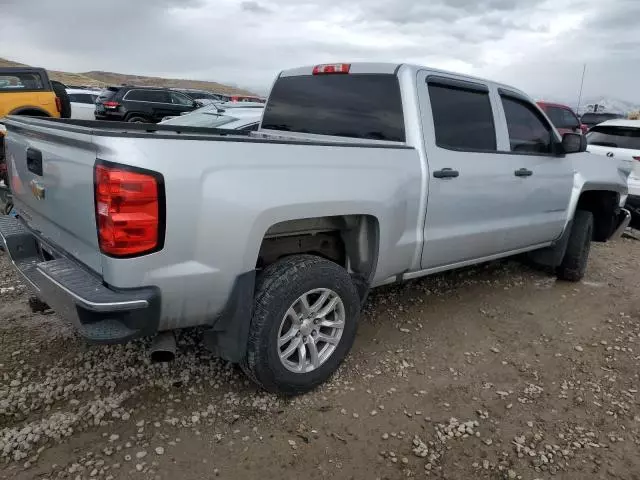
(576, 257)
(304, 323)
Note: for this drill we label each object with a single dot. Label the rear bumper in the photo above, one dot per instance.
(102, 314)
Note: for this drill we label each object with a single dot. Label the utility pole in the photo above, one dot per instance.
(584, 69)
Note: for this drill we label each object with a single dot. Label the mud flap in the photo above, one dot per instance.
(227, 337)
(551, 257)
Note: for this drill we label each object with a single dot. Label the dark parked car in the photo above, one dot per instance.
(141, 104)
(593, 119)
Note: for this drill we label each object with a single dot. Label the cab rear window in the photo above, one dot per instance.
(366, 106)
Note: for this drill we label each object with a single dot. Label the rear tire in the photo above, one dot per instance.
(137, 119)
(65, 104)
(278, 309)
(574, 263)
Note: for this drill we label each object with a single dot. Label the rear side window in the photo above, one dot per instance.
(614, 136)
(462, 118)
(18, 81)
(364, 106)
(81, 98)
(528, 131)
(157, 96)
(562, 118)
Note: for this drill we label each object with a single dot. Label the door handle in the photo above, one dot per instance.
(34, 161)
(446, 173)
(523, 172)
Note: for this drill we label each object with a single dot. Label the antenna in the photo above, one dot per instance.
(584, 69)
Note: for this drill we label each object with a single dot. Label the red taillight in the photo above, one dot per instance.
(332, 68)
(111, 104)
(637, 158)
(58, 105)
(127, 211)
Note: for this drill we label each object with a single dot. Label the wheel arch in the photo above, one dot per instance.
(352, 241)
(30, 110)
(603, 203)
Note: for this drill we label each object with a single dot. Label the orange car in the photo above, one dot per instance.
(28, 91)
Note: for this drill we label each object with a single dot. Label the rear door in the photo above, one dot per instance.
(51, 178)
(470, 208)
(153, 104)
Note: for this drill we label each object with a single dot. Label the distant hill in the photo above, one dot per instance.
(103, 79)
(608, 104)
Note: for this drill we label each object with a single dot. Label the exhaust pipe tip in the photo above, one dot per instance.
(163, 348)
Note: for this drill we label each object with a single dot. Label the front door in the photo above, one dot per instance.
(543, 179)
(470, 209)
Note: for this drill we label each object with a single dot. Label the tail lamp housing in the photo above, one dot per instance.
(331, 68)
(130, 210)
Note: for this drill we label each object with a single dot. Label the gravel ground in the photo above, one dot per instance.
(493, 372)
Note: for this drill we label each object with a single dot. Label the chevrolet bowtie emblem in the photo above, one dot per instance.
(37, 189)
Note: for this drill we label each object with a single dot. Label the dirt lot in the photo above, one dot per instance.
(495, 372)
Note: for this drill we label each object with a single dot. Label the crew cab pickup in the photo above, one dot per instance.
(360, 175)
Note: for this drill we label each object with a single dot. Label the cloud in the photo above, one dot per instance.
(254, 7)
(537, 45)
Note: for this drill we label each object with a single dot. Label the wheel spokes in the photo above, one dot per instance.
(313, 353)
(291, 348)
(287, 336)
(302, 357)
(328, 308)
(321, 337)
(310, 330)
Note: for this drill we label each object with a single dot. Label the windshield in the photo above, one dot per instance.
(200, 119)
(615, 137)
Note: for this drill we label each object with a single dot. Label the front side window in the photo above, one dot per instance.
(180, 99)
(462, 118)
(528, 131)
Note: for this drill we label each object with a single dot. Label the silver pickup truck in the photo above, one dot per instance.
(361, 175)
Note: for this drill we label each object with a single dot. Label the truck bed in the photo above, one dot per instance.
(219, 199)
(104, 128)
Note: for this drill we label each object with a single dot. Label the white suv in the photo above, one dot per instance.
(620, 140)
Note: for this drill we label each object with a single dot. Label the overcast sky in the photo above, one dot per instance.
(536, 45)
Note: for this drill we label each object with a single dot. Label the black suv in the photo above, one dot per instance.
(141, 104)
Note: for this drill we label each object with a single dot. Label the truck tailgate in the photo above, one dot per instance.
(51, 178)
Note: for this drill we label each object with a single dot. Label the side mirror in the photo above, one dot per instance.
(197, 104)
(574, 143)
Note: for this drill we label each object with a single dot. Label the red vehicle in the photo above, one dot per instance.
(563, 117)
(247, 98)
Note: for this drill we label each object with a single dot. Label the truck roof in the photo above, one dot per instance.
(394, 68)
